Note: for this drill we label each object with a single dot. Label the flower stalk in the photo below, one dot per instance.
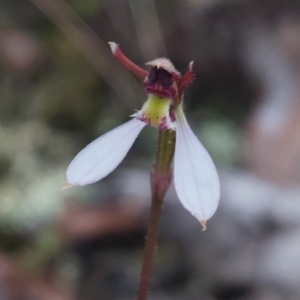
(160, 182)
(195, 177)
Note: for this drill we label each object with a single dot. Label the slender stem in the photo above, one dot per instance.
(151, 241)
(160, 182)
(165, 150)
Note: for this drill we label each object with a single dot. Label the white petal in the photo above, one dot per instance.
(195, 176)
(102, 156)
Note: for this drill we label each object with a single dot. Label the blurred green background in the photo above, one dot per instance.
(60, 88)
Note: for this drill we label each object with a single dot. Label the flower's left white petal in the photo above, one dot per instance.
(102, 156)
(195, 176)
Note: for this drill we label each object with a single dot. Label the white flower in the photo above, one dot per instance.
(195, 176)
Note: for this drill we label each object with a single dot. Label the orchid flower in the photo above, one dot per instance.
(195, 177)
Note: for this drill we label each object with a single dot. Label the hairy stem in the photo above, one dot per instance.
(160, 182)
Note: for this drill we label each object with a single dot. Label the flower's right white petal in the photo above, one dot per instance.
(102, 156)
(195, 176)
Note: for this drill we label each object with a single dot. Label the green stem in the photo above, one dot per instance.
(165, 151)
(160, 182)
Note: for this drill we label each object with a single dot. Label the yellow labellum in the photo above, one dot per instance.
(156, 112)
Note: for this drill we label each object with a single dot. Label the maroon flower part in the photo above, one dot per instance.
(162, 80)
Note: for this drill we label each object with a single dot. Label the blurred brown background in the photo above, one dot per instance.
(60, 88)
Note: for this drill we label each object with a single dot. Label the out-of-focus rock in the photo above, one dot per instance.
(279, 263)
(133, 182)
(84, 223)
(250, 247)
(272, 57)
(252, 240)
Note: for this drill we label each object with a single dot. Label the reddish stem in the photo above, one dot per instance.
(126, 62)
(151, 241)
(160, 182)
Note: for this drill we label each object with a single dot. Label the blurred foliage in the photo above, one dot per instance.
(54, 101)
(57, 104)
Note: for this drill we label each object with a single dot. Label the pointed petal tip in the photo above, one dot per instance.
(66, 186)
(191, 64)
(203, 224)
(113, 47)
